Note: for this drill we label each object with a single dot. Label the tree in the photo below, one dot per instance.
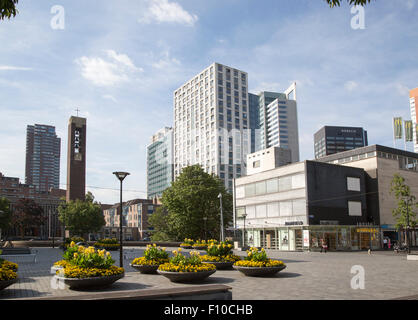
(27, 214)
(334, 3)
(159, 221)
(404, 213)
(193, 196)
(5, 214)
(8, 9)
(82, 216)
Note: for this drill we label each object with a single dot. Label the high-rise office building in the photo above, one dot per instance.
(211, 122)
(160, 163)
(329, 140)
(76, 158)
(254, 116)
(278, 121)
(413, 101)
(43, 151)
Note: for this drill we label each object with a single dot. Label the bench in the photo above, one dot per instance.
(18, 255)
(202, 292)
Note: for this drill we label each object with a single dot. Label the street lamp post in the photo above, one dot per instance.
(243, 238)
(1, 214)
(222, 217)
(121, 176)
(204, 222)
(407, 226)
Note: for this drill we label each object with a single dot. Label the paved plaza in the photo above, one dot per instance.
(309, 275)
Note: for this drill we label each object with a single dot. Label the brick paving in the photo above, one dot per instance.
(309, 275)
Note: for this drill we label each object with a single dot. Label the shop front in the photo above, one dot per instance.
(337, 238)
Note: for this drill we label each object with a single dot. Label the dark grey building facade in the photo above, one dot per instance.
(331, 139)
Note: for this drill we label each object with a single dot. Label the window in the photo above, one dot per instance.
(285, 184)
(256, 164)
(250, 190)
(298, 181)
(260, 188)
(353, 184)
(354, 208)
(261, 211)
(272, 186)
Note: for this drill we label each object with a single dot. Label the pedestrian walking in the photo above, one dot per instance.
(385, 243)
(324, 245)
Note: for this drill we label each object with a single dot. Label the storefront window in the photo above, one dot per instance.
(284, 240)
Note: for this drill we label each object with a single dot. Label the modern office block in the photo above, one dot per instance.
(43, 151)
(413, 101)
(278, 121)
(254, 116)
(296, 206)
(329, 140)
(211, 122)
(160, 163)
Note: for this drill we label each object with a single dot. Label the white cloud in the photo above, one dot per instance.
(267, 86)
(401, 89)
(164, 11)
(13, 68)
(116, 69)
(166, 61)
(410, 4)
(350, 85)
(110, 97)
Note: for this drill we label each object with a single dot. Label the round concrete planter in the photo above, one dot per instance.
(221, 265)
(6, 283)
(54, 269)
(186, 276)
(259, 271)
(145, 268)
(199, 248)
(90, 283)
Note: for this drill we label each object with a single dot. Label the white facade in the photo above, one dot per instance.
(273, 198)
(268, 159)
(211, 116)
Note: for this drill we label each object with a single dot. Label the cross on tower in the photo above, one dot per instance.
(77, 110)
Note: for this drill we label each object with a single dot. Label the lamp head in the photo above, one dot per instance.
(121, 175)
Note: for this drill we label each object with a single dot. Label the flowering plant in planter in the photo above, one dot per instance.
(220, 253)
(108, 244)
(81, 262)
(187, 243)
(8, 273)
(153, 255)
(258, 259)
(68, 241)
(7, 265)
(181, 263)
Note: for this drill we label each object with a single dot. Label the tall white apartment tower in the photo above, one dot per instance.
(211, 123)
(413, 101)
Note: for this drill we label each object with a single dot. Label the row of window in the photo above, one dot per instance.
(271, 186)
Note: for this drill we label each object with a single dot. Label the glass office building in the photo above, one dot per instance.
(43, 150)
(160, 163)
(330, 140)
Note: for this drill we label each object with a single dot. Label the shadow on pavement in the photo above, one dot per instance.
(11, 293)
(121, 286)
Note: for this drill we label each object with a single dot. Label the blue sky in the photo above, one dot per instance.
(119, 63)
